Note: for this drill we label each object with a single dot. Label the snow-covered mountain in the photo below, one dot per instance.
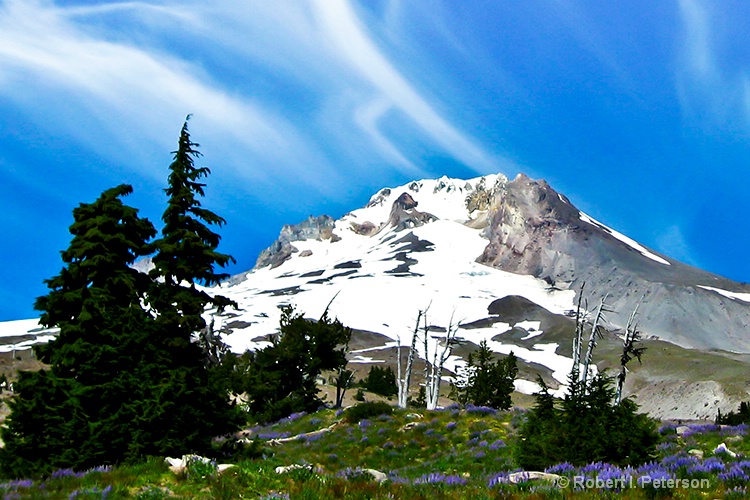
(505, 261)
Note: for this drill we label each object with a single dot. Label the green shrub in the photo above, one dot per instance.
(585, 427)
(367, 410)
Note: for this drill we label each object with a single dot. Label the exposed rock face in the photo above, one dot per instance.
(316, 228)
(534, 230)
(404, 213)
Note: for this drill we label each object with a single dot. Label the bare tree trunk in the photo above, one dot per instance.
(629, 351)
(427, 370)
(578, 338)
(596, 332)
(437, 365)
(405, 382)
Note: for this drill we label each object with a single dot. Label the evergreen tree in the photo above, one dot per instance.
(282, 378)
(585, 427)
(191, 405)
(186, 252)
(79, 412)
(487, 382)
(381, 381)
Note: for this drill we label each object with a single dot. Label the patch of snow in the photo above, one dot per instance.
(26, 344)
(365, 359)
(533, 327)
(628, 241)
(20, 327)
(745, 297)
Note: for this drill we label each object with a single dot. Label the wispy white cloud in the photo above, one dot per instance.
(672, 242)
(349, 38)
(57, 66)
(710, 94)
(126, 66)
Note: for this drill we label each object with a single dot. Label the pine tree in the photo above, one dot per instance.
(77, 413)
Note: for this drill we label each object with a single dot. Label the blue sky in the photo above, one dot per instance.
(638, 111)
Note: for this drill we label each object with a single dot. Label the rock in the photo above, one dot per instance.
(366, 228)
(414, 416)
(722, 448)
(734, 439)
(696, 453)
(524, 476)
(222, 467)
(314, 228)
(681, 430)
(378, 476)
(410, 426)
(288, 468)
(178, 465)
(305, 253)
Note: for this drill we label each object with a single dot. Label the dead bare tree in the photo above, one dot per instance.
(405, 381)
(629, 350)
(597, 332)
(578, 337)
(434, 368)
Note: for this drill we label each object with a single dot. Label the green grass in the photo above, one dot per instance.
(411, 447)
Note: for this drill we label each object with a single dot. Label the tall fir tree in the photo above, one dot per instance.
(79, 412)
(185, 257)
(186, 252)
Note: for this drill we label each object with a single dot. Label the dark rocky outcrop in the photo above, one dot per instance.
(315, 228)
(404, 214)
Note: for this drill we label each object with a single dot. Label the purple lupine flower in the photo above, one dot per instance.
(437, 477)
(735, 476)
(450, 426)
(275, 496)
(735, 430)
(736, 492)
(479, 454)
(561, 469)
(470, 408)
(711, 465)
(701, 429)
(66, 473)
(497, 444)
(396, 479)
(497, 479)
(654, 475)
(294, 416)
(666, 446)
(273, 435)
(673, 463)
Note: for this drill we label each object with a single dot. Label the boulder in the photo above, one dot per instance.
(525, 476)
(722, 448)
